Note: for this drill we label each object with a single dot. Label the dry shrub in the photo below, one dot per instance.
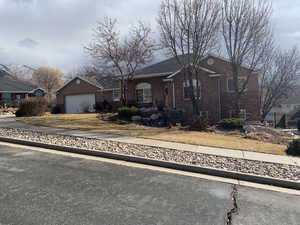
(198, 123)
(32, 107)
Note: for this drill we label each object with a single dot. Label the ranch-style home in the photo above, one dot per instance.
(12, 89)
(164, 83)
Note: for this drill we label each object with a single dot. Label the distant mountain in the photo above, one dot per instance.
(28, 43)
(21, 72)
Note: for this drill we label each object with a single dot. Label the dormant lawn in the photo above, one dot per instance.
(90, 122)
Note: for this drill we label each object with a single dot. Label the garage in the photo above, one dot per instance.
(79, 103)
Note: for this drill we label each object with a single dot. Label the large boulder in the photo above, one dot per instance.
(262, 129)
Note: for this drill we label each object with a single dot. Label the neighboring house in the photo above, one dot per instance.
(12, 89)
(164, 83)
(289, 106)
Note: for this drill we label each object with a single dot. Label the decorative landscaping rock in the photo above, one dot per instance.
(275, 170)
(147, 112)
(136, 119)
(154, 116)
(249, 128)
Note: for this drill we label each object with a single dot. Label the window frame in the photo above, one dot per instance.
(239, 78)
(186, 85)
(147, 98)
(118, 97)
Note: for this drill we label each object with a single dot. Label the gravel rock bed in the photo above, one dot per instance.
(281, 171)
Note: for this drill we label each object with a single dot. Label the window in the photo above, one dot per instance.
(187, 89)
(6, 96)
(297, 107)
(116, 95)
(18, 97)
(241, 81)
(39, 93)
(143, 93)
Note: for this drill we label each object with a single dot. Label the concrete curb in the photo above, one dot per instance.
(165, 164)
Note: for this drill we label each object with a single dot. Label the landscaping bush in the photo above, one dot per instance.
(56, 110)
(231, 124)
(32, 107)
(198, 123)
(298, 125)
(294, 148)
(126, 112)
(104, 106)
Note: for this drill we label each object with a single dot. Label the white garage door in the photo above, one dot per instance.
(80, 103)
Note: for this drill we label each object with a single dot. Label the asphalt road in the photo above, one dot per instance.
(38, 188)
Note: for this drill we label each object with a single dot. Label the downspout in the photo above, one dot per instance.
(174, 98)
(220, 109)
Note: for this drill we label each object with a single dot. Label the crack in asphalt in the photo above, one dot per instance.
(235, 208)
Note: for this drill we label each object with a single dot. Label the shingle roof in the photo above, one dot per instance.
(108, 82)
(167, 66)
(8, 84)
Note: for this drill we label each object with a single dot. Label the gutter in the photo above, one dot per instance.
(165, 164)
(174, 97)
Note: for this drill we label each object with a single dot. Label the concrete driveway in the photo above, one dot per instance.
(45, 189)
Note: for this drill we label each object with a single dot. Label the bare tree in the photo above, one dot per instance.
(189, 30)
(247, 35)
(279, 77)
(122, 56)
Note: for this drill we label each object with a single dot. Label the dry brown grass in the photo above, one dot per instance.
(90, 122)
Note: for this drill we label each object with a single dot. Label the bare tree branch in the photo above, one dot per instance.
(189, 30)
(280, 75)
(246, 35)
(122, 57)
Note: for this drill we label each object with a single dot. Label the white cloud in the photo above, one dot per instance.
(63, 27)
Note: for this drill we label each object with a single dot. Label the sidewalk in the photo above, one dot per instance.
(156, 143)
(186, 147)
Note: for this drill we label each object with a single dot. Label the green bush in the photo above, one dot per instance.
(32, 107)
(231, 124)
(126, 112)
(298, 125)
(198, 123)
(294, 148)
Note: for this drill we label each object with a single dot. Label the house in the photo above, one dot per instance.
(12, 89)
(289, 107)
(164, 83)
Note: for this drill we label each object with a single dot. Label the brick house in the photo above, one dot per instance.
(164, 83)
(12, 89)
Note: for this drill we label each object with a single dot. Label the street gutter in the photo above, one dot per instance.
(165, 164)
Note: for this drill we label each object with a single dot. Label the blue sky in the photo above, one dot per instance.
(54, 32)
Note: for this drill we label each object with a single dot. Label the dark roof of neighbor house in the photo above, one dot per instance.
(167, 66)
(10, 84)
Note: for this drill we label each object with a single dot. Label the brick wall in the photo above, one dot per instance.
(73, 88)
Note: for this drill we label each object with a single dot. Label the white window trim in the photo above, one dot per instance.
(188, 99)
(143, 90)
(231, 78)
(114, 98)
